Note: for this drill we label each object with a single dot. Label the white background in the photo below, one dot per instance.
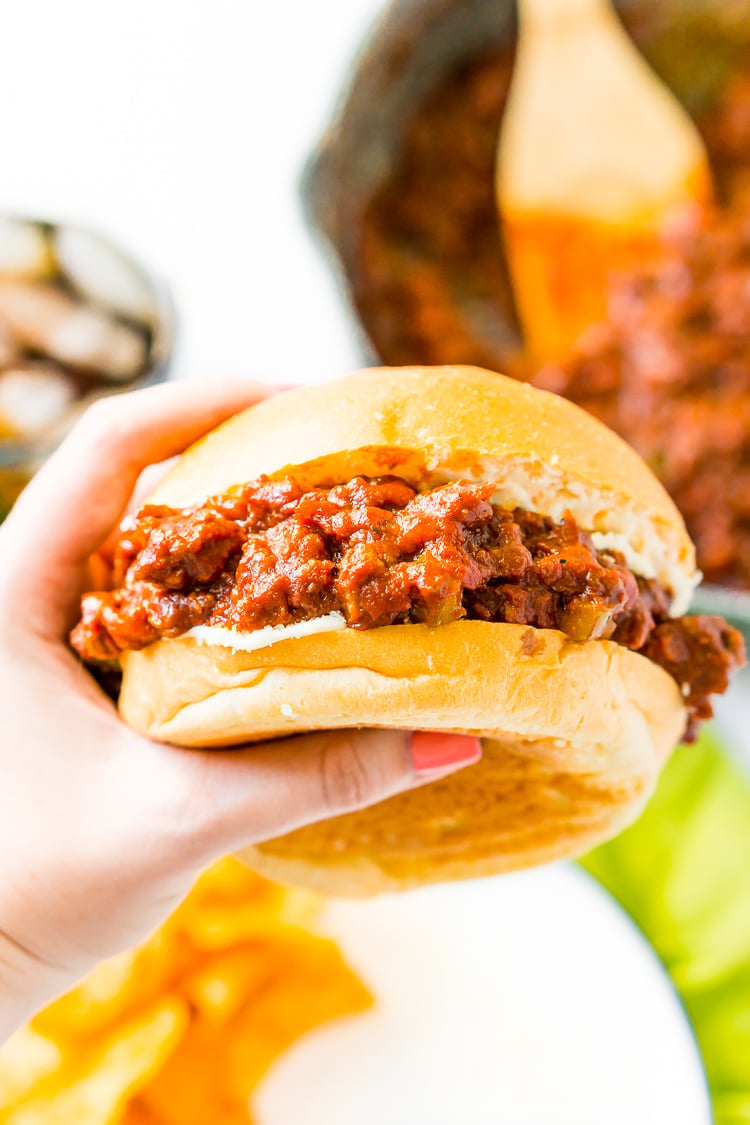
(520, 1000)
(180, 129)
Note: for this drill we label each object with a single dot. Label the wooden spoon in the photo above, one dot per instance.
(596, 157)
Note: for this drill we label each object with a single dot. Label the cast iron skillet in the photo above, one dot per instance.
(694, 45)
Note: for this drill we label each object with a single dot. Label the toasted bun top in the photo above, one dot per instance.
(432, 424)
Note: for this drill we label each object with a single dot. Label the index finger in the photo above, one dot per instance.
(72, 504)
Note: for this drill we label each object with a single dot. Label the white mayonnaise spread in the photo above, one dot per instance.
(262, 638)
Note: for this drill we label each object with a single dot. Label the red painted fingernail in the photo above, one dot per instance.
(435, 752)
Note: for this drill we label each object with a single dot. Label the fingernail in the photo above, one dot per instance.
(435, 752)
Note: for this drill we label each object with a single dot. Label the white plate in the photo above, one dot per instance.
(524, 1000)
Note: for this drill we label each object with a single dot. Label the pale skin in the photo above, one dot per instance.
(103, 832)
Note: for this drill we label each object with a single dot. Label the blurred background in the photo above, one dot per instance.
(286, 193)
(181, 133)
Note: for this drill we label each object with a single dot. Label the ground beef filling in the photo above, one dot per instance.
(669, 368)
(380, 553)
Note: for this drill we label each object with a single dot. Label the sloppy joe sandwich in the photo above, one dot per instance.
(426, 549)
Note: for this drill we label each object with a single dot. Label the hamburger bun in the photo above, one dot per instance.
(574, 734)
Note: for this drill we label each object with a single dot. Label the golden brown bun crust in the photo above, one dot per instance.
(574, 734)
(429, 424)
(574, 737)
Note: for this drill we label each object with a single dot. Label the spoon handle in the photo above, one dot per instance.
(556, 15)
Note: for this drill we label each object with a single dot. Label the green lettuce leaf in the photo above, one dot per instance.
(683, 873)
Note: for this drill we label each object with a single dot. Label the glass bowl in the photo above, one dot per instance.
(79, 319)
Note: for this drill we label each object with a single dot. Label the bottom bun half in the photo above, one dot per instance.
(574, 737)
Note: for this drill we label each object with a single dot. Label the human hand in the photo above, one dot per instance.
(102, 832)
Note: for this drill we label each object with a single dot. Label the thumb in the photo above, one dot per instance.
(232, 798)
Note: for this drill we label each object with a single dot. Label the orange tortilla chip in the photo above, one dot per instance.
(226, 885)
(231, 904)
(95, 1087)
(224, 984)
(190, 1087)
(138, 1113)
(295, 1003)
(182, 1030)
(117, 989)
(25, 1060)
